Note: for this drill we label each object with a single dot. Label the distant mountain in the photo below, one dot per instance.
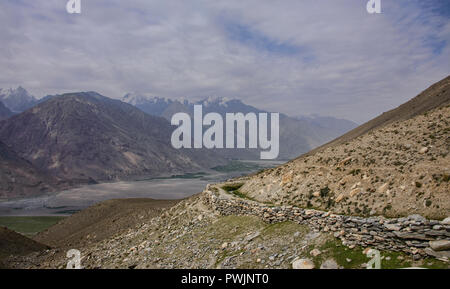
(297, 136)
(166, 107)
(335, 126)
(433, 97)
(19, 178)
(86, 137)
(154, 106)
(17, 100)
(4, 111)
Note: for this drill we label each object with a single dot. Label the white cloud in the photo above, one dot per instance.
(296, 57)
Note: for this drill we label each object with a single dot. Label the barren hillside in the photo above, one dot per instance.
(86, 137)
(435, 96)
(394, 165)
(12, 243)
(101, 221)
(302, 214)
(19, 178)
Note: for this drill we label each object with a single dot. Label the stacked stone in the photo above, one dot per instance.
(414, 234)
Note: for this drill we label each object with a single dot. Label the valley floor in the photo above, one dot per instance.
(190, 234)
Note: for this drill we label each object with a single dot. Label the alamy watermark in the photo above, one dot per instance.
(73, 6)
(374, 6)
(74, 261)
(234, 122)
(375, 262)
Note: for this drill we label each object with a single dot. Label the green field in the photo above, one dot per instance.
(29, 226)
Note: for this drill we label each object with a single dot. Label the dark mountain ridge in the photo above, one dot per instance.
(4, 111)
(85, 137)
(19, 178)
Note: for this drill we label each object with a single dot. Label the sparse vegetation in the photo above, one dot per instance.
(355, 258)
(234, 189)
(29, 226)
(324, 192)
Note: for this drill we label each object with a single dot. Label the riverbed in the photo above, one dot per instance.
(175, 187)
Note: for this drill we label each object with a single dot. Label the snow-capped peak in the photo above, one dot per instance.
(215, 100)
(17, 99)
(139, 98)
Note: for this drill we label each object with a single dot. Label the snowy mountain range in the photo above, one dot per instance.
(297, 135)
(17, 99)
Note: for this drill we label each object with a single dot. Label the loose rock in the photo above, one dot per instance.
(302, 264)
(329, 264)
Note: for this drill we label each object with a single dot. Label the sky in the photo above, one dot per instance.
(296, 57)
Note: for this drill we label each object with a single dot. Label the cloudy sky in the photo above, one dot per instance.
(292, 56)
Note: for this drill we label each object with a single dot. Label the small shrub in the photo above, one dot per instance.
(324, 192)
(232, 187)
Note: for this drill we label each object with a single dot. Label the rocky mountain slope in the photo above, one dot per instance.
(394, 165)
(437, 95)
(302, 214)
(101, 221)
(297, 136)
(217, 230)
(12, 243)
(19, 178)
(86, 137)
(4, 111)
(18, 99)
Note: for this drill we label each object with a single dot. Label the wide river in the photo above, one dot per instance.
(73, 200)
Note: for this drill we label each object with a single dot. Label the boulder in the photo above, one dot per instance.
(438, 254)
(315, 252)
(302, 264)
(392, 227)
(446, 221)
(423, 150)
(440, 245)
(329, 264)
(250, 237)
(383, 188)
(354, 192)
(413, 236)
(416, 218)
(339, 198)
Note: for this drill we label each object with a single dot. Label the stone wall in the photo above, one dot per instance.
(413, 235)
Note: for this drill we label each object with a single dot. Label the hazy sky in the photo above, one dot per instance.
(296, 57)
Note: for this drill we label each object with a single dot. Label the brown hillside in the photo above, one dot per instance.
(101, 221)
(395, 165)
(19, 178)
(12, 243)
(435, 96)
(85, 137)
